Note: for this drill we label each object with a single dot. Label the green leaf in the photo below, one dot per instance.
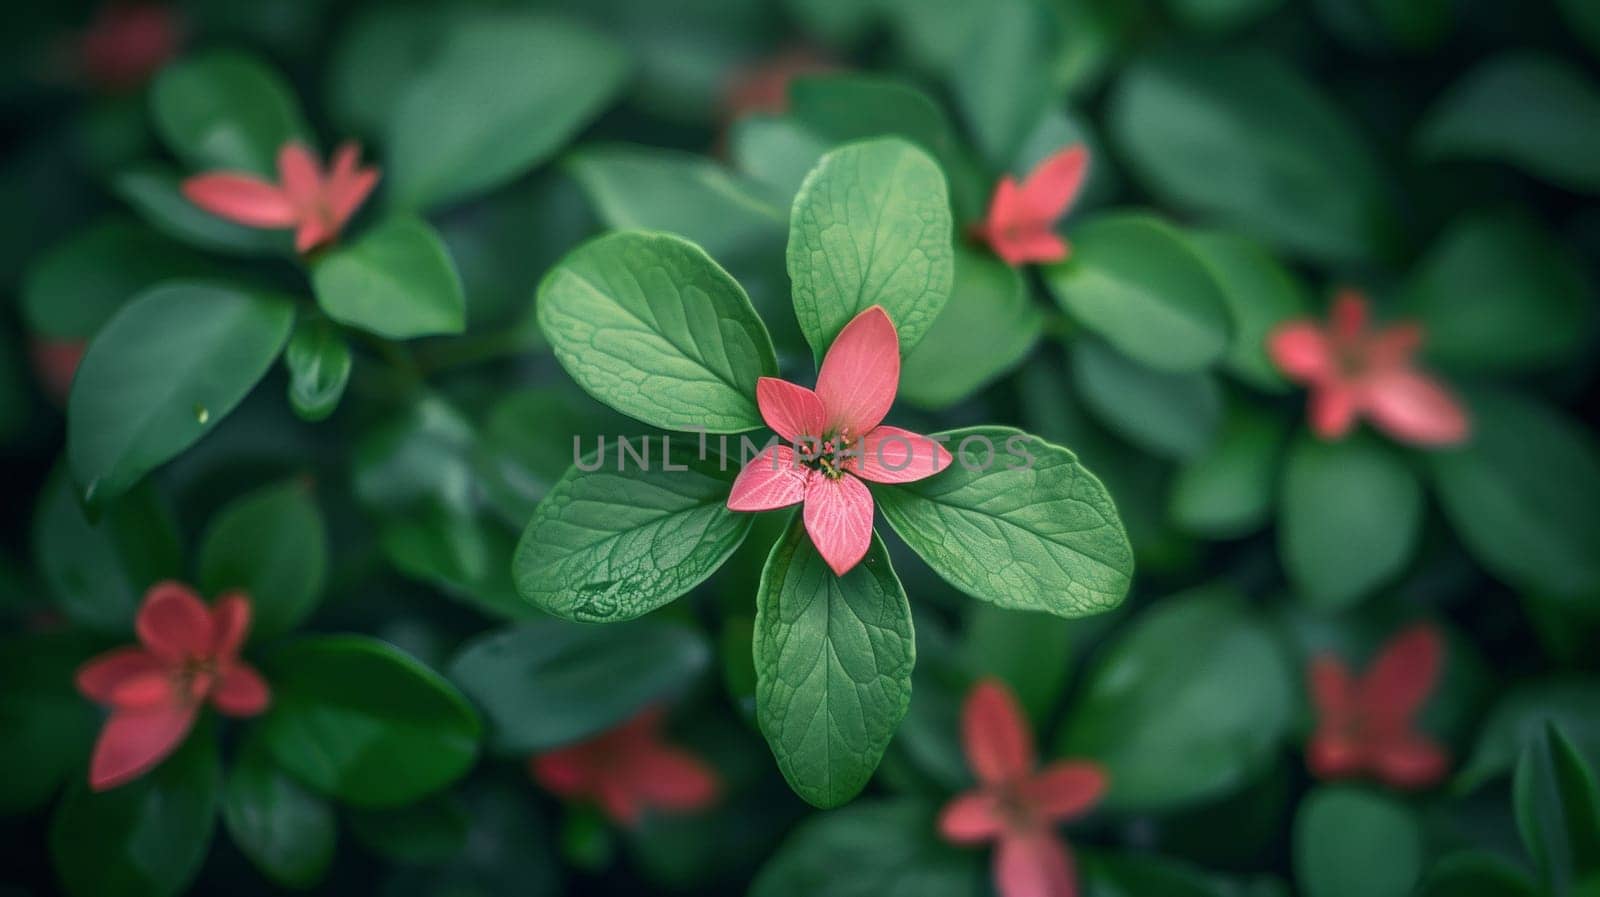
(1140, 874)
(508, 850)
(1220, 15)
(1558, 811)
(1228, 492)
(1003, 96)
(1262, 151)
(1017, 522)
(503, 93)
(1531, 110)
(285, 830)
(1522, 494)
(225, 110)
(1167, 414)
(74, 288)
(272, 545)
(1134, 280)
(1584, 19)
(98, 572)
(373, 62)
(318, 359)
(1034, 653)
(833, 658)
(428, 832)
(545, 683)
(1476, 873)
(1350, 516)
(518, 461)
(1260, 294)
(1354, 843)
(397, 281)
(143, 839)
(162, 372)
(650, 325)
(988, 327)
(1188, 704)
(1497, 293)
(608, 545)
(49, 726)
(360, 721)
(871, 226)
(869, 850)
(1520, 717)
(155, 192)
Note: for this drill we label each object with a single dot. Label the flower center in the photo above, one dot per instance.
(833, 455)
(195, 676)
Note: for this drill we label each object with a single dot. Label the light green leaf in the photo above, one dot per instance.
(1354, 843)
(162, 372)
(1228, 492)
(318, 359)
(1349, 518)
(833, 658)
(503, 93)
(225, 110)
(614, 544)
(987, 327)
(871, 226)
(285, 830)
(1017, 522)
(397, 281)
(272, 545)
(1260, 293)
(1167, 414)
(1134, 280)
(650, 325)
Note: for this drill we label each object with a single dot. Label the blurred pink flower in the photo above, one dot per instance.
(841, 442)
(1021, 221)
(126, 43)
(1354, 370)
(1016, 805)
(764, 85)
(627, 771)
(1368, 725)
(188, 654)
(314, 202)
(55, 362)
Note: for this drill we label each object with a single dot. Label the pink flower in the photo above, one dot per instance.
(764, 86)
(316, 203)
(1354, 370)
(837, 429)
(628, 770)
(1022, 217)
(189, 654)
(1368, 725)
(1016, 805)
(126, 43)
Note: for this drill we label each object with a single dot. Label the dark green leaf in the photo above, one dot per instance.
(285, 830)
(318, 359)
(1260, 294)
(1558, 811)
(987, 327)
(870, 850)
(1228, 492)
(225, 110)
(527, 444)
(374, 60)
(1167, 414)
(427, 832)
(71, 291)
(1476, 873)
(1001, 89)
(1354, 843)
(272, 545)
(48, 726)
(1519, 718)
(397, 281)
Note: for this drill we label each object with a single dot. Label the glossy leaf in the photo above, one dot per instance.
(1558, 812)
(1350, 842)
(1260, 294)
(397, 281)
(318, 359)
(272, 545)
(225, 110)
(1172, 415)
(285, 830)
(988, 326)
(1017, 522)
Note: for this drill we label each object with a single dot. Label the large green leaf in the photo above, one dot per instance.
(502, 94)
(49, 726)
(359, 720)
(1520, 718)
(1523, 493)
(1133, 279)
(225, 110)
(374, 59)
(1532, 110)
(1497, 293)
(1000, 89)
(1558, 812)
(162, 373)
(545, 683)
(79, 284)
(1354, 843)
(1249, 143)
(1476, 873)
(1189, 703)
(870, 850)
(1228, 492)
(609, 545)
(1260, 293)
(285, 830)
(1018, 522)
(650, 325)
(833, 658)
(272, 545)
(987, 327)
(143, 839)
(1173, 415)
(1350, 515)
(319, 362)
(871, 226)
(397, 281)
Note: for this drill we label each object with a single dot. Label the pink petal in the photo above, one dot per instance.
(1301, 351)
(313, 232)
(971, 818)
(241, 692)
(1029, 245)
(230, 624)
(1403, 675)
(1065, 790)
(1347, 319)
(1333, 690)
(241, 198)
(146, 690)
(893, 455)
(135, 741)
(1034, 865)
(860, 374)
(619, 803)
(1413, 762)
(174, 623)
(995, 734)
(100, 677)
(563, 772)
(1333, 754)
(1055, 182)
(773, 479)
(793, 412)
(1415, 408)
(672, 779)
(838, 515)
(1333, 410)
(301, 175)
(349, 185)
